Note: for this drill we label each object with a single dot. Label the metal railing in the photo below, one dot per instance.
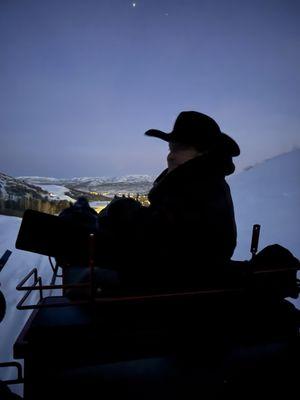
(18, 366)
(4, 258)
(37, 284)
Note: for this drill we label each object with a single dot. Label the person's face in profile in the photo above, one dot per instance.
(179, 154)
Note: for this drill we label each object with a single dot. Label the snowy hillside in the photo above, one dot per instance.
(17, 195)
(268, 194)
(57, 192)
(11, 188)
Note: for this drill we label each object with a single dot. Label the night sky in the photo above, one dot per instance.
(82, 80)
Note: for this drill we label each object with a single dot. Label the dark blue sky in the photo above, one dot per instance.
(81, 80)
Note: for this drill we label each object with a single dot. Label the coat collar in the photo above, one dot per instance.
(187, 174)
(204, 168)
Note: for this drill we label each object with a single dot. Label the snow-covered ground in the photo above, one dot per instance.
(18, 265)
(268, 194)
(57, 192)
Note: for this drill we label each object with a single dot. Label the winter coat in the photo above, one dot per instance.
(188, 228)
(192, 205)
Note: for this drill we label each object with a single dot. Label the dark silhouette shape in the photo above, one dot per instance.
(82, 214)
(190, 221)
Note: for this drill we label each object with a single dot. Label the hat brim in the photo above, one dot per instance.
(230, 144)
(159, 134)
(225, 140)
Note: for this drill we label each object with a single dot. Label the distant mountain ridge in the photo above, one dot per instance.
(87, 180)
(108, 185)
(16, 196)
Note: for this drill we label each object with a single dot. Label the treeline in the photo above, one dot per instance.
(17, 206)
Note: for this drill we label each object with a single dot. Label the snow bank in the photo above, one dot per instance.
(17, 266)
(269, 195)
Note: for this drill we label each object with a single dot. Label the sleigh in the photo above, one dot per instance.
(150, 343)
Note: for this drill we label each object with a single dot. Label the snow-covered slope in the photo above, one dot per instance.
(17, 195)
(57, 192)
(11, 188)
(17, 266)
(268, 194)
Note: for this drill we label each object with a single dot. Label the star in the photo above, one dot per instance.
(133, 4)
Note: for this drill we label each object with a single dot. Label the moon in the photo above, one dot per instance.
(133, 4)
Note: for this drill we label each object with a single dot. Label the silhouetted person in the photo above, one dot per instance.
(189, 226)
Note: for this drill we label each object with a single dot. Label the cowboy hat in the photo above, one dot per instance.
(198, 130)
